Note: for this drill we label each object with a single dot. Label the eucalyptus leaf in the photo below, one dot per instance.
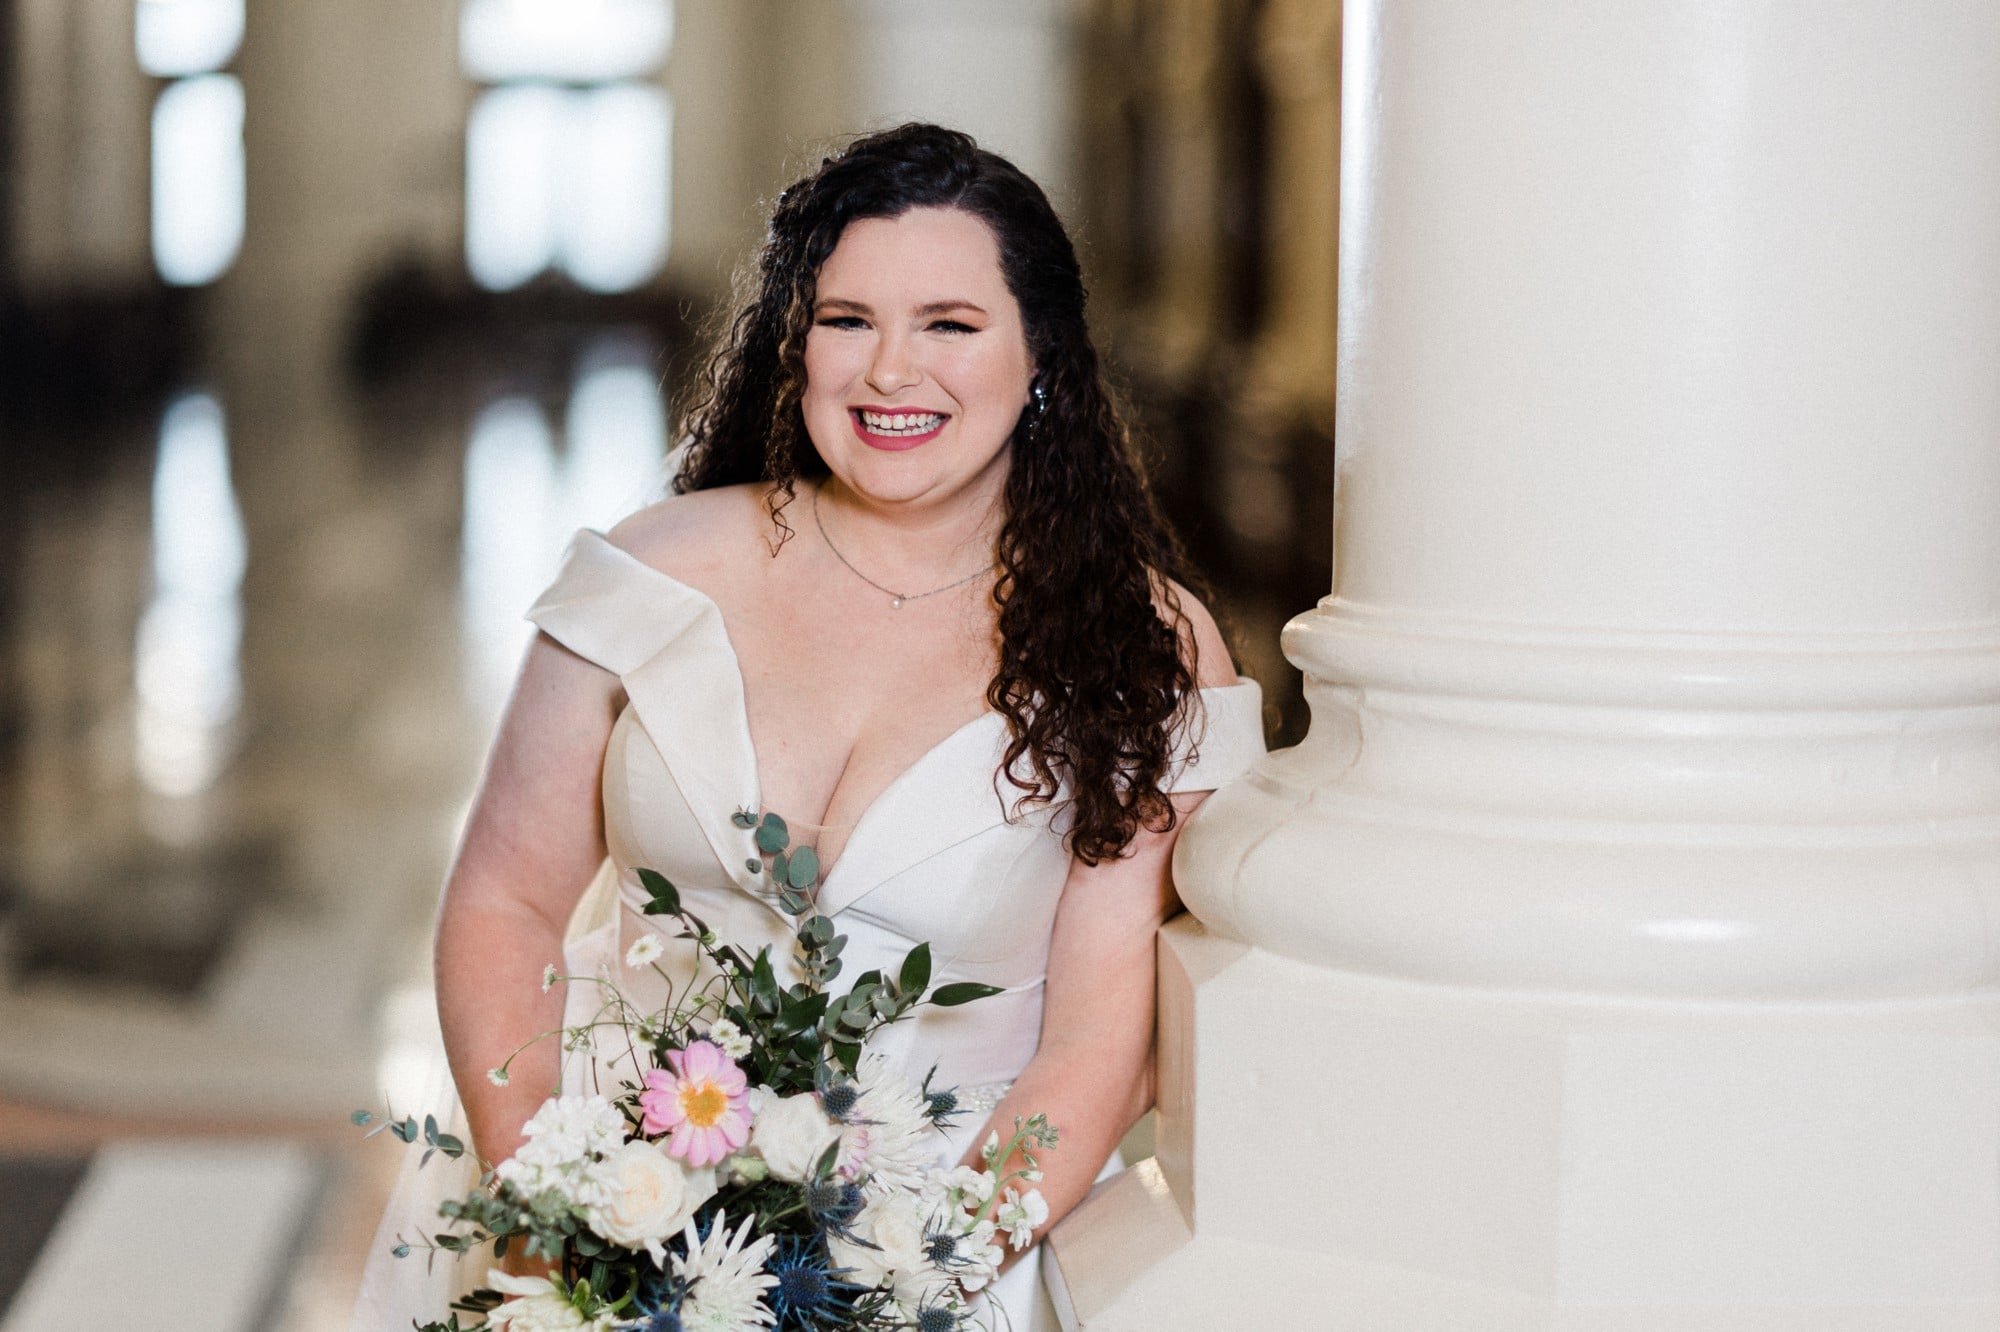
(803, 871)
(754, 866)
(917, 970)
(779, 864)
(824, 1166)
(772, 836)
(743, 818)
(962, 992)
(666, 899)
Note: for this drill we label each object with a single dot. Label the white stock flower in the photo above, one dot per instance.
(652, 1196)
(790, 1133)
(538, 1306)
(973, 1186)
(726, 1278)
(731, 1038)
(1020, 1213)
(646, 948)
(568, 1139)
(975, 1258)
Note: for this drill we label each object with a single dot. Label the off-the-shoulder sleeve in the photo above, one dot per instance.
(611, 608)
(1224, 740)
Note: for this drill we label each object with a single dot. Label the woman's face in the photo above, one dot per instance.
(917, 364)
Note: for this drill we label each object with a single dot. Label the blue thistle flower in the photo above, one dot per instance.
(941, 1106)
(833, 1203)
(838, 1100)
(811, 1295)
(936, 1318)
(941, 1248)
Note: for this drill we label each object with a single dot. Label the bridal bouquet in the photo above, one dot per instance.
(760, 1168)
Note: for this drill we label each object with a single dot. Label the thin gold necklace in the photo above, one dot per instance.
(896, 599)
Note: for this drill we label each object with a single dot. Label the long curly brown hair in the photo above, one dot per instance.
(1097, 672)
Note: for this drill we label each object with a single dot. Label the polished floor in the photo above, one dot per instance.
(248, 674)
(248, 662)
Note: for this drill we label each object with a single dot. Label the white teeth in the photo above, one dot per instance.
(901, 423)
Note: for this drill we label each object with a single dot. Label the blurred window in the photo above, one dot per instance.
(180, 37)
(197, 178)
(574, 41)
(188, 677)
(567, 147)
(197, 159)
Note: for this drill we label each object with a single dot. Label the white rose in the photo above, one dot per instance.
(895, 1225)
(791, 1133)
(540, 1307)
(652, 1197)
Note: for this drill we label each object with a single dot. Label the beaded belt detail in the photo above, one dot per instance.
(982, 1097)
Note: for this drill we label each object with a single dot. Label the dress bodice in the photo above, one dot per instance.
(939, 856)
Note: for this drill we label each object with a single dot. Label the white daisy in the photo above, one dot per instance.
(646, 948)
(731, 1038)
(726, 1278)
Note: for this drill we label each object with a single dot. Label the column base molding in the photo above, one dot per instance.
(1373, 1154)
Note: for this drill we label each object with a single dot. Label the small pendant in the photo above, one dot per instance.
(895, 603)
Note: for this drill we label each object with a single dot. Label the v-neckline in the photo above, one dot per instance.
(829, 903)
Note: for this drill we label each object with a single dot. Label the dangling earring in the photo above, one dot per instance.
(1040, 393)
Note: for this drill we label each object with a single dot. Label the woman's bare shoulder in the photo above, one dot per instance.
(695, 536)
(1199, 632)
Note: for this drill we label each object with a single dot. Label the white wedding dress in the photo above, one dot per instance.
(935, 858)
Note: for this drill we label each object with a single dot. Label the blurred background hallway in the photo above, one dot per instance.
(321, 329)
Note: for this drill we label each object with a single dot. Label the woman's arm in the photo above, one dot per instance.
(532, 842)
(1092, 1073)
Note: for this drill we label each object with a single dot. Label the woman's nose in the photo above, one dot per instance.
(893, 367)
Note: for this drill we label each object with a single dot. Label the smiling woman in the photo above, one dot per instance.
(995, 759)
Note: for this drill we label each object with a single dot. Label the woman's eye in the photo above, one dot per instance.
(953, 326)
(840, 321)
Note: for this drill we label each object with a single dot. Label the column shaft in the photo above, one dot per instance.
(1619, 951)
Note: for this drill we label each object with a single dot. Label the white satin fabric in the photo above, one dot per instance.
(935, 858)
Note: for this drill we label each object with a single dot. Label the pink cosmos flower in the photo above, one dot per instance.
(703, 1098)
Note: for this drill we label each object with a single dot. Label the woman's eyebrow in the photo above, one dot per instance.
(928, 308)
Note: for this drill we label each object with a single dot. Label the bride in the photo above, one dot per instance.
(912, 594)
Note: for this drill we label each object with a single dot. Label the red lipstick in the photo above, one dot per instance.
(898, 441)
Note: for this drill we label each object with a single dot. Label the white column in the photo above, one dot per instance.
(1619, 952)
